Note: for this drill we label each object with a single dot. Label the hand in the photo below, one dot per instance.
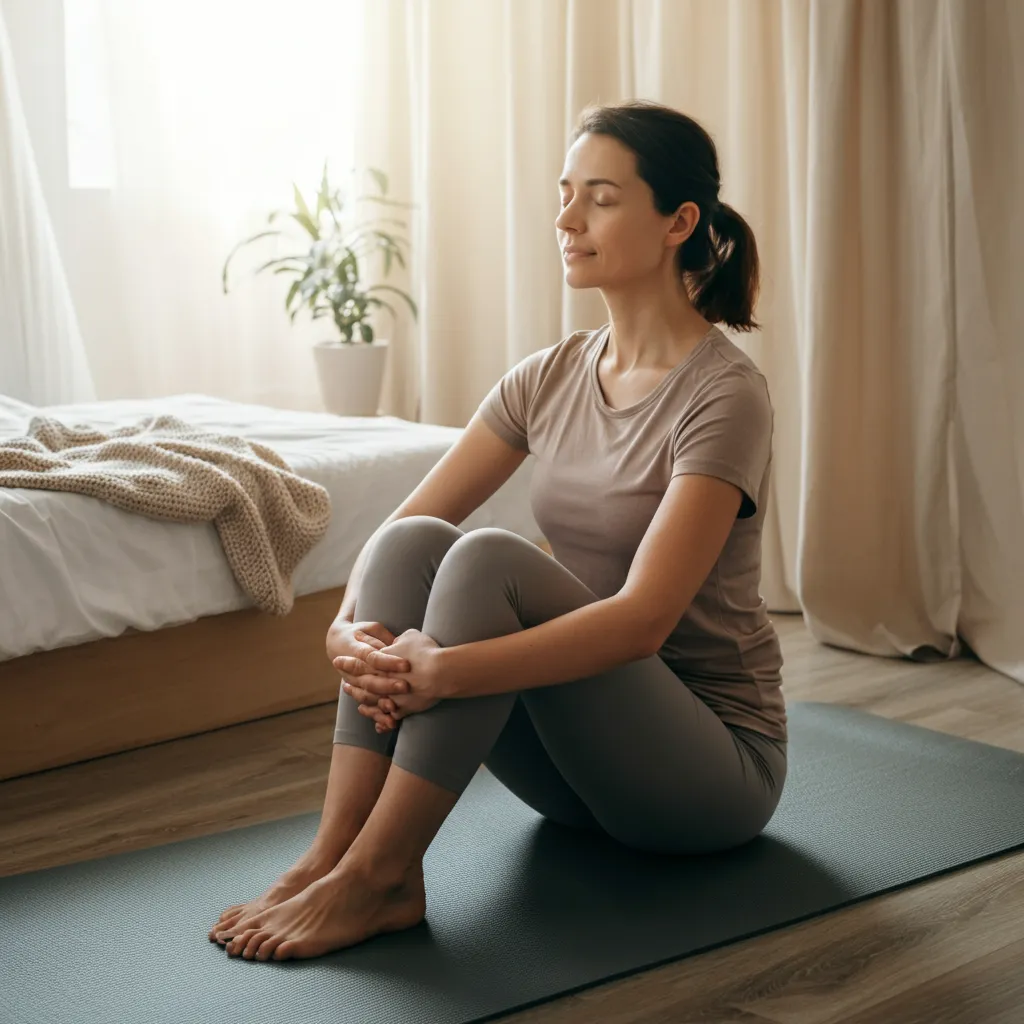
(360, 643)
(375, 688)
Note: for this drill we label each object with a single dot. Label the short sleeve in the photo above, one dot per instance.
(506, 407)
(726, 432)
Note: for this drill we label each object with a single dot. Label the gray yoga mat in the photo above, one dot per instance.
(519, 910)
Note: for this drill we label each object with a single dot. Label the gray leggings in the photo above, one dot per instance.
(630, 752)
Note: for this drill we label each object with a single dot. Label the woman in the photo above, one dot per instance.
(631, 683)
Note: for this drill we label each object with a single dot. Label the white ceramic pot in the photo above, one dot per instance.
(350, 375)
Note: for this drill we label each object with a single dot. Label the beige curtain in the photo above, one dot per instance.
(875, 148)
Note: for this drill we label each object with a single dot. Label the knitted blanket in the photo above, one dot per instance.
(267, 517)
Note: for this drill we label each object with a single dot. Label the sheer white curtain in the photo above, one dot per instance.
(874, 148)
(215, 107)
(42, 360)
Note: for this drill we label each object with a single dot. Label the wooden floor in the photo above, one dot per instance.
(948, 951)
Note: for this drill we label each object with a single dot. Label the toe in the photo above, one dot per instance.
(230, 914)
(237, 944)
(284, 951)
(268, 947)
(243, 924)
(228, 919)
(254, 943)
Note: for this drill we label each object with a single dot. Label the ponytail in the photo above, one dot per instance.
(721, 268)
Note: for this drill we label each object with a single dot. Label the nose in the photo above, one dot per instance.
(568, 219)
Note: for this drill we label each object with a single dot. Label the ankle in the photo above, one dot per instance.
(381, 872)
(321, 856)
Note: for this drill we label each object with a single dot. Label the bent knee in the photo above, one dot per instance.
(491, 546)
(416, 534)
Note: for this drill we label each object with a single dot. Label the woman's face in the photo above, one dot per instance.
(608, 221)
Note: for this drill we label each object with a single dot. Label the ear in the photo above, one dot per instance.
(684, 223)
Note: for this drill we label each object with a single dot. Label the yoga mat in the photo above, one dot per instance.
(519, 910)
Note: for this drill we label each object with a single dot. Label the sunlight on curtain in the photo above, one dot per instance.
(86, 92)
(194, 117)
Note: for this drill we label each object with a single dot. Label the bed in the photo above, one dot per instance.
(118, 631)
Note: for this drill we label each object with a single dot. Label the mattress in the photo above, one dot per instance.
(73, 568)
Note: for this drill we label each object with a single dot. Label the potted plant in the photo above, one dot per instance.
(328, 282)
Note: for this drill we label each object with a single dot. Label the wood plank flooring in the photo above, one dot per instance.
(946, 951)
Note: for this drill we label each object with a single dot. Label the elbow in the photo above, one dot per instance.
(653, 643)
(646, 632)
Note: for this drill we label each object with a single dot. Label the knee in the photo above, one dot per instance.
(415, 537)
(489, 549)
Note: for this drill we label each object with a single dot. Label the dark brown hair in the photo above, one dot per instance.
(678, 160)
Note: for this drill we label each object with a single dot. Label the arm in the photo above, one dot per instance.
(587, 640)
(678, 551)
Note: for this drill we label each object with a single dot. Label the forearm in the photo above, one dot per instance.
(583, 642)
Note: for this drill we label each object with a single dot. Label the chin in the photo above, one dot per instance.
(574, 279)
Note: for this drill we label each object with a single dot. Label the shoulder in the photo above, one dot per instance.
(725, 356)
(568, 349)
(563, 358)
(726, 391)
(726, 368)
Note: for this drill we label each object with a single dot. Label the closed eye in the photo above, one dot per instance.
(565, 203)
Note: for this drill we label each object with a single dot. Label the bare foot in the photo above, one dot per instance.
(306, 870)
(341, 909)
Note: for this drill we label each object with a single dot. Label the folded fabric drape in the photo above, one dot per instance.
(267, 517)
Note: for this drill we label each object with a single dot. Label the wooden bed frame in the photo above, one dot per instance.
(119, 693)
(106, 696)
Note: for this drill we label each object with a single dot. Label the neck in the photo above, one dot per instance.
(653, 323)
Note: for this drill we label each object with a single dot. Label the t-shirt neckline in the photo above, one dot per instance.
(651, 395)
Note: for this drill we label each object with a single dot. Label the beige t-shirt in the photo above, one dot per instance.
(600, 474)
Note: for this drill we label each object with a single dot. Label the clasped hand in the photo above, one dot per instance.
(383, 692)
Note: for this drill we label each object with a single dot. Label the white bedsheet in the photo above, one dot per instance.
(73, 568)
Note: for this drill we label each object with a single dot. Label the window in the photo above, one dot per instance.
(90, 138)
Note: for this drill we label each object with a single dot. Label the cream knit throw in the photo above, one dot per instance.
(268, 518)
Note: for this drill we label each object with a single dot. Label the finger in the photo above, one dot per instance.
(372, 656)
(359, 694)
(379, 632)
(373, 663)
(388, 662)
(383, 686)
(363, 651)
(387, 708)
(368, 712)
(394, 706)
(349, 666)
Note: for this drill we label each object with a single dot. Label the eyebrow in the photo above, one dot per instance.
(593, 181)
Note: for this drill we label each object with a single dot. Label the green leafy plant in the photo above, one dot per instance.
(327, 275)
